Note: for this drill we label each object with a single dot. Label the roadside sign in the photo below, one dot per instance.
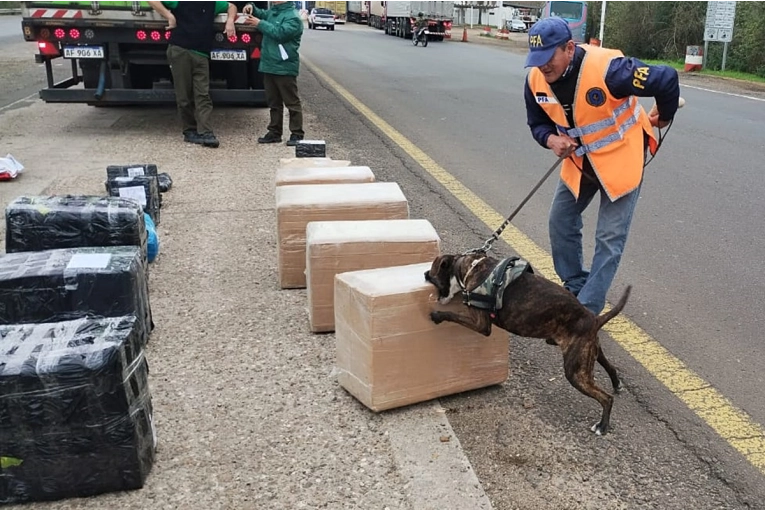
(719, 22)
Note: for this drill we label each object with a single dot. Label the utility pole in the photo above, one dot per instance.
(602, 21)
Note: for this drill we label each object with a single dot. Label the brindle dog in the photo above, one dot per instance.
(537, 308)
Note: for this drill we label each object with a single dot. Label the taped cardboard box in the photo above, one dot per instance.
(390, 354)
(311, 162)
(334, 247)
(324, 175)
(297, 206)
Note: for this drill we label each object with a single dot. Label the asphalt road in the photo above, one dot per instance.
(22, 78)
(693, 256)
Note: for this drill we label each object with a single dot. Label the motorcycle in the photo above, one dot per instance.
(420, 35)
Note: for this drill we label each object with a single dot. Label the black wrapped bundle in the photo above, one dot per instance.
(114, 171)
(142, 188)
(311, 149)
(35, 223)
(75, 409)
(59, 285)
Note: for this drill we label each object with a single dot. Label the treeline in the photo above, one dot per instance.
(662, 30)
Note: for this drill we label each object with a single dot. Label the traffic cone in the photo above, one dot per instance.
(464, 34)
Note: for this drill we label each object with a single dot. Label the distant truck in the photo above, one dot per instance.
(117, 53)
(339, 9)
(399, 18)
(376, 15)
(357, 12)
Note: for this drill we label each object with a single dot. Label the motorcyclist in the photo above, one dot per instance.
(421, 24)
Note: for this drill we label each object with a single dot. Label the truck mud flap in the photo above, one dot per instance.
(147, 96)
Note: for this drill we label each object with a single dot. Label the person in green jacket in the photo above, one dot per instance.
(282, 30)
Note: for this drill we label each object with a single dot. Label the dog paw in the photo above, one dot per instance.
(598, 429)
(436, 317)
(618, 388)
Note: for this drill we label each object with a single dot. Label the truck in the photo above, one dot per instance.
(376, 15)
(400, 18)
(337, 8)
(117, 54)
(357, 12)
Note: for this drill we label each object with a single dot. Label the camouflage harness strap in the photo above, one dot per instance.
(489, 294)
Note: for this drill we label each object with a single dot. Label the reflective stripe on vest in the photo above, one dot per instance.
(600, 125)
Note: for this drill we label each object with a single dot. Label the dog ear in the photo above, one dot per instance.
(444, 264)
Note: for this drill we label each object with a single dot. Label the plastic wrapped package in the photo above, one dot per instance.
(311, 149)
(144, 189)
(114, 171)
(324, 175)
(390, 354)
(58, 285)
(165, 183)
(311, 162)
(298, 205)
(335, 247)
(75, 409)
(35, 223)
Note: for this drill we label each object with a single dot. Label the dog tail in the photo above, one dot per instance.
(613, 312)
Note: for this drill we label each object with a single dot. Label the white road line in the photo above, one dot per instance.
(30, 96)
(721, 92)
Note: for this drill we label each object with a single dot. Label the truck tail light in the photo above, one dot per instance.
(59, 33)
(246, 38)
(141, 35)
(255, 54)
(74, 33)
(155, 35)
(48, 49)
(167, 35)
(233, 38)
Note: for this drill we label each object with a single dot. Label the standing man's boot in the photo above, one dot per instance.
(294, 139)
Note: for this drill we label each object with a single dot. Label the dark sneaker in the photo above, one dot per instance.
(209, 140)
(190, 136)
(294, 139)
(270, 138)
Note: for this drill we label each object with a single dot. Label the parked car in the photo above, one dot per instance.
(321, 17)
(516, 25)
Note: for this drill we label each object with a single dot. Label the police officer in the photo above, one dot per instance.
(583, 98)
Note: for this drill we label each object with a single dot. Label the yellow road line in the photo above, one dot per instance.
(731, 423)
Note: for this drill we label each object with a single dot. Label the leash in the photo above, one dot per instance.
(495, 236)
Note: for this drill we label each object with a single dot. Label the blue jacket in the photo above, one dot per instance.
(661, 83)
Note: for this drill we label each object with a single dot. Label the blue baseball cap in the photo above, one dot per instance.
(544, 37)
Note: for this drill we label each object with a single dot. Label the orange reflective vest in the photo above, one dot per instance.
(610, 130)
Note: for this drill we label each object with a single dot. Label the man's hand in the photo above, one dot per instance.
(252, 20)
(561, 144)
(655, 122)
(229, 29)
(247, 9)
(170, 22)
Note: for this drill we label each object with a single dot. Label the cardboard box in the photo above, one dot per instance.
(324, 175)
(311, 162)
(297, 206)
(390, 354)
(334, 247)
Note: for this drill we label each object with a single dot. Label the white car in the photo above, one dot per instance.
(516, 25)
(321, 17)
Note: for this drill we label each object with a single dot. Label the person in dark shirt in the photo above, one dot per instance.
(188, 53)
(581, 102)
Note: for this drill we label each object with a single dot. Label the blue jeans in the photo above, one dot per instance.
(565, 224)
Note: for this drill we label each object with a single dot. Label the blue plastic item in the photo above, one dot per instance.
(152, 244)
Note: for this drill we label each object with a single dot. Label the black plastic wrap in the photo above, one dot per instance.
(311, 149)
(165, 182)
(75, 409)
(59, 285)
(142, 188)
(35, 223)
(114, 171)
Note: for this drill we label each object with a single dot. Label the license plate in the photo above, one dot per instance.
(228, 55)
(83, 52)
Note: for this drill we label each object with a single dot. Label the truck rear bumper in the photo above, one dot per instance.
(153, 96)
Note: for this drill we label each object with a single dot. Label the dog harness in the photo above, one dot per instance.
(488, 295)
